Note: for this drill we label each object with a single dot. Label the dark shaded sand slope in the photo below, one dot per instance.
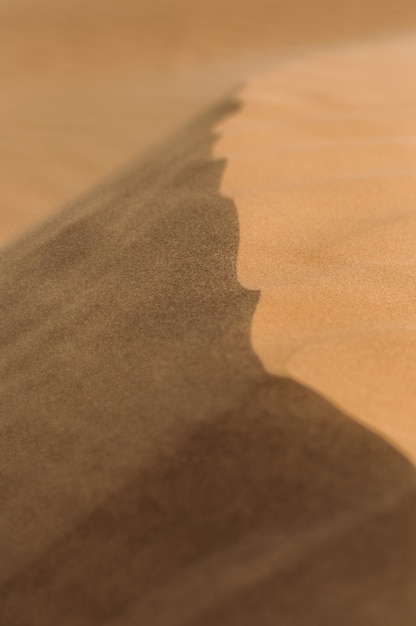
(152, 472)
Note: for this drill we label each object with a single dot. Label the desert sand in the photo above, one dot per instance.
(153, 471)
(321, 163)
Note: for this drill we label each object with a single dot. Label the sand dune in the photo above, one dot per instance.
(152, 471)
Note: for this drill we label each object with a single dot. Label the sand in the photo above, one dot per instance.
(86, 86)
(322, 167)
(153, 471)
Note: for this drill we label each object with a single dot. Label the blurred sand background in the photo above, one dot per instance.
(85, 86)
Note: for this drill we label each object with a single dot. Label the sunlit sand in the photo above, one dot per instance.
(322, 168)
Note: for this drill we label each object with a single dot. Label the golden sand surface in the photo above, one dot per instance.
(87, 85)
(321, 163)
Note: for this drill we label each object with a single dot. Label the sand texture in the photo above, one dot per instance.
(152, 471)
(322, 167)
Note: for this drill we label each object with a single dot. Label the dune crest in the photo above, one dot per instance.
(321, 163)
